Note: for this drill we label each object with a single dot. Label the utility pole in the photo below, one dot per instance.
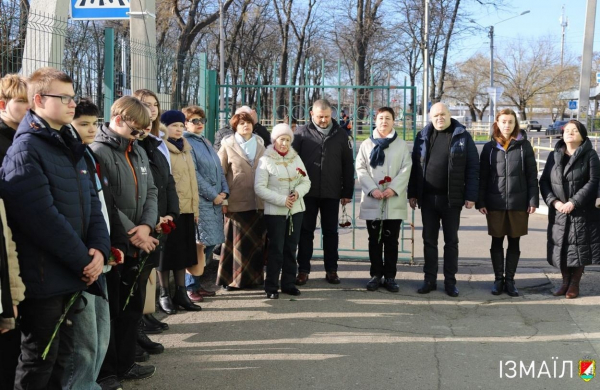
(564, 23)
(221, 64)
(586, 60)
(426, 63)
(492, 98)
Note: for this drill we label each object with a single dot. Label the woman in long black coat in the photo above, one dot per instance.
(569, 187)
(508, 193)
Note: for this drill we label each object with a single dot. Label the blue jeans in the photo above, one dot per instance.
(91, 333)
(192, 283)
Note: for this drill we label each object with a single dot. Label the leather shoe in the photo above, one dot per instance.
(273, 295)
(141, 355)
(332, 277)
(150, 318)
(194, 296)
(301, 279)
(374, 283)
(292, 291)
(148, 345)
(427, 287)
(205, 293)
(391, 285)
(149, 327)
(451, 290)
(138, 372)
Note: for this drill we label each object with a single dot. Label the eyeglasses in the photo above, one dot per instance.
(134, 132)
(65, 99)
(197, 121)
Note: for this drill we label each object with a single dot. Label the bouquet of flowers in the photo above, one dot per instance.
(383, 183)
(300, 175)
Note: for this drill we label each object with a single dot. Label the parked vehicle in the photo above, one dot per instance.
(530, 125)
(556, 128)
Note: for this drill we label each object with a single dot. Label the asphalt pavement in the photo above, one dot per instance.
(344, 337)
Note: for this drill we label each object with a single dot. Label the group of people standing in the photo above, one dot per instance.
(93, 212)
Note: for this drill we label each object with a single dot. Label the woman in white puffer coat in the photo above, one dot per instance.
(281, 181)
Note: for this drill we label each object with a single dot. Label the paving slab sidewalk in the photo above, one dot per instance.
(343, 337)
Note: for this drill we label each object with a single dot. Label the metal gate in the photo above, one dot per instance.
(292, 103)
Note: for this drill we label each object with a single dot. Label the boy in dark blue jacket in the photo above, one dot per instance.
(57, 223)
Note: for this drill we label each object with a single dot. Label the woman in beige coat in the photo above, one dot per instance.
(180, 248)
(383, 165)
(242, 258)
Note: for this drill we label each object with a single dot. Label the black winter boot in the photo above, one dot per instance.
(165, 302)
(566, 280)
(181, 299)
(498, 265)
(512, 260)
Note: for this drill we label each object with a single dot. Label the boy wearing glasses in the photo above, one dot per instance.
(57, 224)
(127, 173)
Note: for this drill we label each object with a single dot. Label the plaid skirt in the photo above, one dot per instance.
(242, 261)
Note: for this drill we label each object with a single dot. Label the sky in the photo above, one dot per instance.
(541, 21)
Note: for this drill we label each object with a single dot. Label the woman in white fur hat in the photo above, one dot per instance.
(281, 181)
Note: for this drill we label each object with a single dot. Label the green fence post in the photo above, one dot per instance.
(212, 104)
(109, 70)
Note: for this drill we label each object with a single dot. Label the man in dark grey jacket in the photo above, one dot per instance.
(127, 173)
(444, 177)
(326, 152)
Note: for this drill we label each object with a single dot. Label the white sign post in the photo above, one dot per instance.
(99, 9)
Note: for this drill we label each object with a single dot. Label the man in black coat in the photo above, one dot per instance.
(326, 152)
(444, 177)
(57, 223)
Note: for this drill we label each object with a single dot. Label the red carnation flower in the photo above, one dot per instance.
(387, 179)
(382, 182)
(171, 224)
(166, 229)
(115, 255)
(300, 171)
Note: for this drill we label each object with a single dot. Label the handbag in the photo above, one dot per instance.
(198, 268)
(150, 303)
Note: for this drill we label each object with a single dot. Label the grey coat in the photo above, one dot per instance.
(211, 182)
(137, 205)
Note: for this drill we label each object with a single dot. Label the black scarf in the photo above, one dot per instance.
(177, 142)
(377, 154)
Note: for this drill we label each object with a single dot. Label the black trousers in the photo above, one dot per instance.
(38, 320)
(282, 250)
(435, 209)
(10, 349)
(120, 355)
(329, 209)
(384, 253)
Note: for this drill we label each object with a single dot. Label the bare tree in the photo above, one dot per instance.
(191, 16)
(467, 84)
(529, 69)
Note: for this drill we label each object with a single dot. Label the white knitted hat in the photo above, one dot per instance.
(281, 129)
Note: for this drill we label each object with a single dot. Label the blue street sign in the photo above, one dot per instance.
(572, 104)
(99, 9)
